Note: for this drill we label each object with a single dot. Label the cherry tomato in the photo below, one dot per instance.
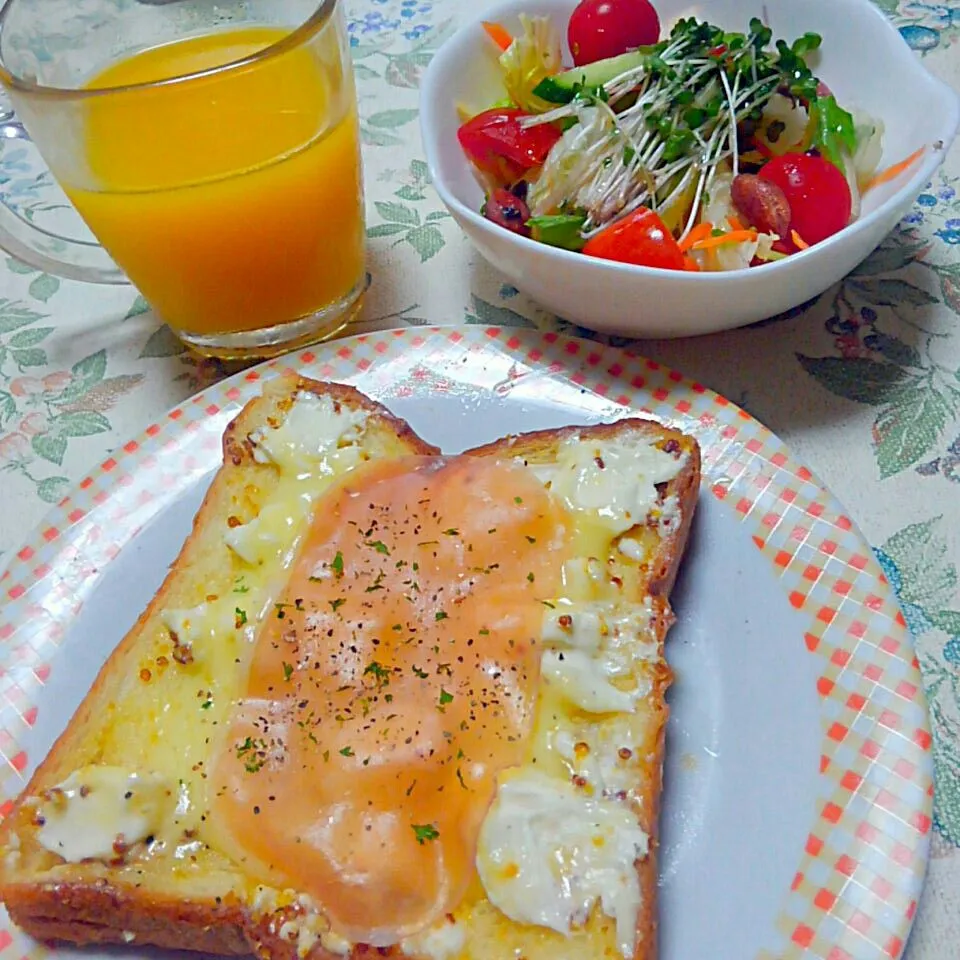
(497, 144)
(818, 194)
(641, 238)
(606, 28)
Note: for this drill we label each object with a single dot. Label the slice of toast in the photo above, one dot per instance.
(142, 717)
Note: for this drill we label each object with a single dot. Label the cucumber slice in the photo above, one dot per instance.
(562, 87)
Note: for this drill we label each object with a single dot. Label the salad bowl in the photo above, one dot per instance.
(862, 60)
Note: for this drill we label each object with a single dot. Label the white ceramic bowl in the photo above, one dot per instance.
(864, 61)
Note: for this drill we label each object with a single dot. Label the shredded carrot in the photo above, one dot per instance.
(885, 175)
(798, 241)
(498, 34)
(735, 224)
(690, 265)
(734, 236)
(699, 232)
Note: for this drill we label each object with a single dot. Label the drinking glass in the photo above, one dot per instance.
(213, 150)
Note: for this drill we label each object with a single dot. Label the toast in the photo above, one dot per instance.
(114, 840)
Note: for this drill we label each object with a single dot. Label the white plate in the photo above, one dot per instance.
(799, 776)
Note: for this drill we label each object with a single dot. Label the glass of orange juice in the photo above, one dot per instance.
(212, 148)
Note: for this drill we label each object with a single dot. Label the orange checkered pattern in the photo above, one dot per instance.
(859, 874)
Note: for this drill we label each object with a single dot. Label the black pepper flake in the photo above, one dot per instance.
(182, 653)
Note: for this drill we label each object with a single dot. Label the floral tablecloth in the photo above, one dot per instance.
(864, 383)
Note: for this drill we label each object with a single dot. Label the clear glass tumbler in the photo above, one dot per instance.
(213, 150)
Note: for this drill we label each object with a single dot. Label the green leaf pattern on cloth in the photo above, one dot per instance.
(917, 562)
(44, 407)
(895, 322)
(402, 219)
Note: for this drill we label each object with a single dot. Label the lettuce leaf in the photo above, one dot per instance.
(834, 133)
(534, 54)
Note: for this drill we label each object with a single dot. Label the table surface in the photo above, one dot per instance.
(864, 384)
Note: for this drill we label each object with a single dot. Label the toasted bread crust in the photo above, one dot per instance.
(85, 914)
(91, 908)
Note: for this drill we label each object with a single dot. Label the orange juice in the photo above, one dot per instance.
(232, 200)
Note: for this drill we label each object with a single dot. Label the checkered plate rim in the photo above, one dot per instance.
(859, 875)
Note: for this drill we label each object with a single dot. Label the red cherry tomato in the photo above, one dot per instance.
(497, 144)
(606, 28)
(818, 194)
(641, 238)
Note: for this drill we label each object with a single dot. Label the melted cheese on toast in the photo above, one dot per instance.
(496, 746)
